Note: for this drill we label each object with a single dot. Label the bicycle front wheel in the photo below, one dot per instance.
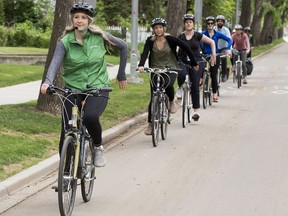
(164, 117)
(185, 111)
(155, 120)
(67, 184)
(205, 91)
(238, 75)
(87, 182)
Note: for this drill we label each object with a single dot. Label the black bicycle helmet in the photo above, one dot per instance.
(188, 17)
(220, 17)
(158, 21)
(83, 7)
(210, 18)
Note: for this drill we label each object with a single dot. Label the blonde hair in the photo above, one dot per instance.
(153, 36)
(92, 28)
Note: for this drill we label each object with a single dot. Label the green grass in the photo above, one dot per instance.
(28, 136)
(23, 50)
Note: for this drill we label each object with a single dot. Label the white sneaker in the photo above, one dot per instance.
(99, 160)
(173, 107)
(179, 93)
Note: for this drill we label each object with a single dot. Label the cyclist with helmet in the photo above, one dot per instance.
(241, 43)
(206, 49)
(193, 39)
(160, 48)
(247, 30)
(222, 45)
(81, 51)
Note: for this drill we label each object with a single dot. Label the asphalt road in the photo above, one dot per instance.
(232, 162)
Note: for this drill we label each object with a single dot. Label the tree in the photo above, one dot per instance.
(246, 13)
(174, 14)
(61, 20)
(2, 16)
(256, 23)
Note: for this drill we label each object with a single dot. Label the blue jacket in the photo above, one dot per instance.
(206, 49)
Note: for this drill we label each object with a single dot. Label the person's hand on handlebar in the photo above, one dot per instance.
(44, 88)
(140, 69)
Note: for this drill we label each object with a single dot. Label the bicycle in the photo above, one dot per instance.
(219, 72)
(237, 72)
(76, 157)
(160, 115)
(206, 88)
(186, 102)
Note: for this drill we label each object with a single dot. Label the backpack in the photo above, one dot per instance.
(249, 66)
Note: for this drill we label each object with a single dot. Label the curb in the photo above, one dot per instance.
(48, 166)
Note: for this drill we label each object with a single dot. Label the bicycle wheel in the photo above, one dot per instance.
(67, 185)
(219, 77)
(184, 107)
(238, 75)
(87, 182)
(164, 117)
(189, 107)
(155, 120)
(205, 91)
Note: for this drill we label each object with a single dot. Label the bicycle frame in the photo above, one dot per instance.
(238, 67)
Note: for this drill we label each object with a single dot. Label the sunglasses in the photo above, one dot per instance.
(210, 23)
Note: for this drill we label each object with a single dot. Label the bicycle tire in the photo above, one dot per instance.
(87, 182)
(67, 185)
(164, 117)
(184, 107)
(238, 75)
(155, 120)
(205, 91)
(219, 77)
(189, 107)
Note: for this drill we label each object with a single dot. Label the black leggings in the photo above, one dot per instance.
(195, 82)
(168, 78)
(94, 107)
(214, 71)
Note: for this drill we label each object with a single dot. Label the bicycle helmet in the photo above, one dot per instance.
(83, 7)
(238, 26)
(220, 17)
(247, 28)
(158, 21)
(188, 17)
(210, 18)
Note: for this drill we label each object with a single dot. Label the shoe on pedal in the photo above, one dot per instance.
(173, 107)
(195, 116)
(65, 186)
(148, 130)
(98, 154)
(244, 80)
(224, 77)
(179, 93)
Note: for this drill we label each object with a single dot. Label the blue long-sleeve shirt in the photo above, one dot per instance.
(206, 49)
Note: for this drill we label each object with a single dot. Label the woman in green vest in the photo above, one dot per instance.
(81, 51)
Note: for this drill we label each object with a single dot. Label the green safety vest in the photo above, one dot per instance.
(84, 64)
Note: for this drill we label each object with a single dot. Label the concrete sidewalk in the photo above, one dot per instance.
(30, 91)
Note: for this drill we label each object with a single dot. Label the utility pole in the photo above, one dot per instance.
(134, 37)
(237, 12)
(198, 4)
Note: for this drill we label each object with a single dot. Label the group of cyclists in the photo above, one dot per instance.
(215, 41)
(82, 48)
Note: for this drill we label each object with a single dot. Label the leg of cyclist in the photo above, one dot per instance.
(224, 66)
(213, 73)
(94, 107)
(244, 68)
(195, 77)
(181, 79)
(171, 78)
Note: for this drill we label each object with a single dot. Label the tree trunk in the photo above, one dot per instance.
(256, 23)
(174, 14)
(245, 19)
(61, 20)
(267, 31)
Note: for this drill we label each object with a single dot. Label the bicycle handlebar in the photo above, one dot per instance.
(158, 70)
(90, 90)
